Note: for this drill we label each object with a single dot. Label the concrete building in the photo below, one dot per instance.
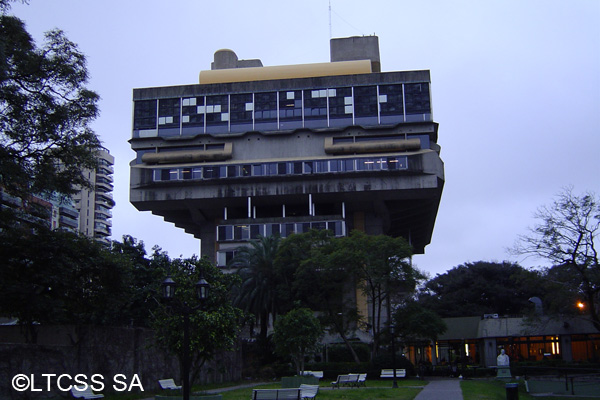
(95, 205)
(253, 150)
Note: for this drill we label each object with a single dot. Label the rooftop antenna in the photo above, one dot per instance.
(330, 35)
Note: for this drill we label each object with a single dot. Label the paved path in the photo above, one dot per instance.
(447, 389)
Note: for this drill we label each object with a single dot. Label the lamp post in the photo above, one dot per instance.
(202, 288)
(392, 331)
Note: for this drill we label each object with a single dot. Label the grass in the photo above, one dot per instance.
(473, 389)
(491, 389)
(375, 390)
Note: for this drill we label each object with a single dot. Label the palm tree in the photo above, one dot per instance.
(258, 291)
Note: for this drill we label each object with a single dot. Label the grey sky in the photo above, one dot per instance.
(515, 86)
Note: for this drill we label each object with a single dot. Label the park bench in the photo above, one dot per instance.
(85, 392)
(308, 391)
(389, 373)
(168, 384)
(276, 394)
(362, 380)
(346, 380)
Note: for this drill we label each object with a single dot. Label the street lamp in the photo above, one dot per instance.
(201, 291)
(392, 331)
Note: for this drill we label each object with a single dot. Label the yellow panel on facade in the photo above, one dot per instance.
(285, 72)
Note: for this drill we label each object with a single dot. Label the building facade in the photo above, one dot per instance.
(95, 204)
(253, 150)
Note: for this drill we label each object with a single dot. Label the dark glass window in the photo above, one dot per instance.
(168, 113)
(297, 167)
(272, 230)
(232, 171)
(365, 101)
(308, 167)
(186, 173)
(390, 100)
(319, 225)
(255, 231)
(192, 111)
(349, 165)
(241, 108)
(290, 105)
(257, 170)
(417, 98)
(315, 104)
(246, 170)
(340, 105)
(144, 114)
(217, 111)
(265, 106)
(211, 172)
(281, 168)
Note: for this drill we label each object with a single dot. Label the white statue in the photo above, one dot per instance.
(503, 359)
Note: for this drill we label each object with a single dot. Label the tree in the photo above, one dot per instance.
(414, 322)
(56, 277)
(297, 333)
(45, 110)
(482, 288)
(321, 281)
(383, 271)
(215, 323)
(258, 294)
(566, 234)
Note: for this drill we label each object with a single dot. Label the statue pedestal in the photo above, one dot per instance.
(503, 372)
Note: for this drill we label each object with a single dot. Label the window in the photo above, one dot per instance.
(341, 105)
(242, 108)
(365, 101)
(192, 111)
(417, 98)
(144, 114)
(265, 107)
(290, 105)
(217, 113)
(390, 100)
(168, 113)
(315, 104)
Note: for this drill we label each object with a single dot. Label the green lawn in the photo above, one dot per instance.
(473, 389)
(375, 390)
(491, 389)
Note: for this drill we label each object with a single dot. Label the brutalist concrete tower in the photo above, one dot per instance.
(256, 150)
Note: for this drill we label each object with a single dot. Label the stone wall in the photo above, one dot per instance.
(106, 351)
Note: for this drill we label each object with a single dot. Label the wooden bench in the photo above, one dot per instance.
(389, 373)
(168, 384)
(308, 391)
(276, 394)
(85, 392)
(345, 380)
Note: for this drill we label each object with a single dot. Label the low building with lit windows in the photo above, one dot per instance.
(479, 340)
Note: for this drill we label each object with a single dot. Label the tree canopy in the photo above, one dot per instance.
(482, 288)
(45, 110)
(297, 334)
(566, 234)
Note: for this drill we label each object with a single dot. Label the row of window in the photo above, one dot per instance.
(245, 232)
(291, 109)
(281, 168)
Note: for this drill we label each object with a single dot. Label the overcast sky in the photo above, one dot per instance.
(515, 86)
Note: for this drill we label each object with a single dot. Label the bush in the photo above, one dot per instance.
(339, 352)
(385, 361)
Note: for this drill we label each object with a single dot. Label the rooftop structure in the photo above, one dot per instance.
(253, 150)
